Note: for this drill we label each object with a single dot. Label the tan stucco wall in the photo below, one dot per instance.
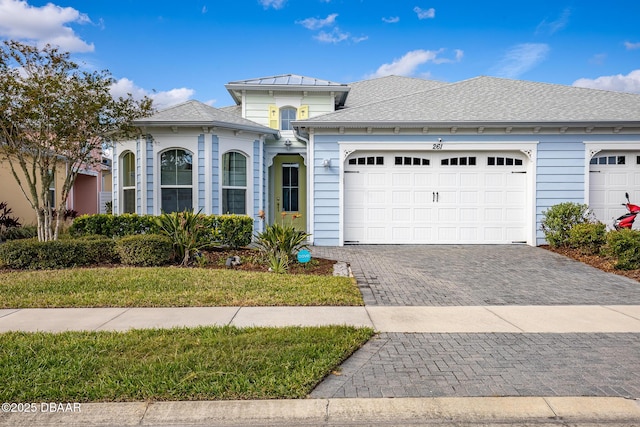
(11, 193)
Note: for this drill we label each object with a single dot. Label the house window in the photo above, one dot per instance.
(52, 190)
(176, 180)
(608, 160)
(128, 183)
(287, 115)
(458, 161)
(290, 187)
(503, 161)
(234, 183)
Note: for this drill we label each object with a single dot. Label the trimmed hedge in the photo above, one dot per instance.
(234, 231)
(624, 245)
(113, 225)
(30, 254)
(589, 238)
(145, 250)
(560, 218)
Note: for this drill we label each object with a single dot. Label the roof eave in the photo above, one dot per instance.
(501, 123)
(214, 123)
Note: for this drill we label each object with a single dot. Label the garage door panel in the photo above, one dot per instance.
(376, 197)
(609, 179)
(415, 202)
(401, 197)
(401, 214)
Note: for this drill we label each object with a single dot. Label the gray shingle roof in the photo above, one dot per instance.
(491, 100)
(195, 113)
(374, 90)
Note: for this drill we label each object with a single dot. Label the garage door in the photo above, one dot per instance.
(611, 174)
(427, 197)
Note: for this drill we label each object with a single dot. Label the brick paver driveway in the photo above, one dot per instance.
(489, 364)
(454, 275)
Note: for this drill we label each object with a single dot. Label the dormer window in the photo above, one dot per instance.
(287, 115)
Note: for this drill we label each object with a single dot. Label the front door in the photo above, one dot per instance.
(290, 191)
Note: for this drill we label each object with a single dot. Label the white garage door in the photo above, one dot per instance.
(611, 174)
(427, 197)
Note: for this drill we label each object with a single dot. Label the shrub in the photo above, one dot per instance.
(234, 231)
(588, 237)
(32, 254)
(99, 249)
(280, 244)
(624, 245)
(16, 233)
(145, 250)
(560, 218)
(187, 231)
(113, 225)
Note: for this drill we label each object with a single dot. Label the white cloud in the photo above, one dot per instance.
(554, 26)
(425, 13)
(315, 23)
(521, 58)
(276, 4)
(632, 46)
(391, 20)
(619, 82)
(335, 36)
(42, 25)
(161, 100)
(407, 65)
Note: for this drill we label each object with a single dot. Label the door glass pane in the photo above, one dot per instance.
(290, 188)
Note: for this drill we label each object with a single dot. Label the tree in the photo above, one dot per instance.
(55, 119)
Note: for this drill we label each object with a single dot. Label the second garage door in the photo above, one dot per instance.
(427, 197)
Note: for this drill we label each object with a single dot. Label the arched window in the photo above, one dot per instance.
(128, 162)
(287, 115)
(234, 183)
(176, 180)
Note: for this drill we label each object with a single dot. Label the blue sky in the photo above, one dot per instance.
(189, 49)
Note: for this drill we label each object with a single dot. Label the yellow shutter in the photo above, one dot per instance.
(273, 117)
(303, 112)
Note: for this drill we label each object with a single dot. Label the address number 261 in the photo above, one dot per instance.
(437, 146)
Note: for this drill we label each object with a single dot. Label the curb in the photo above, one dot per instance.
(329, 412)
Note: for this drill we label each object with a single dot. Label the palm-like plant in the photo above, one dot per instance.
(186, 230)
(281, 243)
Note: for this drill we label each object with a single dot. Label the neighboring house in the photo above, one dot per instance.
(389, 160)
(90, 192)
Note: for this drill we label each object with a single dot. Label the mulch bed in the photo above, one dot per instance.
(252, 261)
(598, 261)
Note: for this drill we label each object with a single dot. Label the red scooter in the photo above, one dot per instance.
(626, 220)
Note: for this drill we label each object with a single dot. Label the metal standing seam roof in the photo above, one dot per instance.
(490, 100)
(287, 82)
(195, 113)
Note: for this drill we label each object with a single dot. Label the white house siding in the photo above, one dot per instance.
(256, 105)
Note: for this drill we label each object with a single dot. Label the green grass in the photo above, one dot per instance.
(176, 364)
(171, 287)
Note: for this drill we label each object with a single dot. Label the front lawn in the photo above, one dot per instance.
(171, 287)
(177, 364)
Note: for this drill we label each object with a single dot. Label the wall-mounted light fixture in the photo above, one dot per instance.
(326, 163)
(287, 143)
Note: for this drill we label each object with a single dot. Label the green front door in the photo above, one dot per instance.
(290, 191)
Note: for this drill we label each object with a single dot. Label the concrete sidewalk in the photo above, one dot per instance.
(486, 411)
(474, 319)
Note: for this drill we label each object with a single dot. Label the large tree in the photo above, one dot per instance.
(54, 119)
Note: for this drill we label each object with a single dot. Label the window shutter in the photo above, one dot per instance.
(303, 112)
(273, 117)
